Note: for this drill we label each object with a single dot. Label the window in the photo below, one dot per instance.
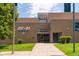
(76, 26)
(42, 18)
(67, 7)
(43, 30)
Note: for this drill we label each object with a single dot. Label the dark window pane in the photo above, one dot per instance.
(67, 7)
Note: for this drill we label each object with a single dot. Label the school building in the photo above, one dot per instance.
(47, 28)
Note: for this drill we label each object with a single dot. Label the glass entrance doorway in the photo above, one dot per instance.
(56, 37)
(43, 38)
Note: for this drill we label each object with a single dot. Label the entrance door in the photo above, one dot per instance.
(46, 38)
(56, 37)
(43, 38)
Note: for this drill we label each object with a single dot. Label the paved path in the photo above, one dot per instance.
(40, 49)
(16, 53)
(46, 49)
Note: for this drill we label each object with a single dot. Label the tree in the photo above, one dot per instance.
(6, 20)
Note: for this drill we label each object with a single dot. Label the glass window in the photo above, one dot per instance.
(43, 30)
(76, 26)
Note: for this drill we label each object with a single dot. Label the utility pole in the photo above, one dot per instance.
(73, 28)
(14, 16)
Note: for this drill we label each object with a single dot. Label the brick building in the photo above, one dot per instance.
(48, 27)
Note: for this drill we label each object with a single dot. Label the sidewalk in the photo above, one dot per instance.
(46, 49)
(16, 53)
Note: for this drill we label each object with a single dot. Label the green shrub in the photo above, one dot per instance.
(20, 41)
(62, 39)
(65, 39)
(68, 39)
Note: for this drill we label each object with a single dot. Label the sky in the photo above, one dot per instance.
(29, 10)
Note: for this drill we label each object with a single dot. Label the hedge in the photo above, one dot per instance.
(65, 39)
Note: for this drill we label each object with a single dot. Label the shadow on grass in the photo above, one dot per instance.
(2, 46)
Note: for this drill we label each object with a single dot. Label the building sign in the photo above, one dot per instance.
(76, 26)
(23, 29)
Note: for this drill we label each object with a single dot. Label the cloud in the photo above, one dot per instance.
(32, 9)
(41, 7)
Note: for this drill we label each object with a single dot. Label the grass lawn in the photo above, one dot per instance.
(68, 49)
(18, 47)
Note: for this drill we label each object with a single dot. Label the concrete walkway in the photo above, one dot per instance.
(46, 49)
(16, 53)
(40, 49)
